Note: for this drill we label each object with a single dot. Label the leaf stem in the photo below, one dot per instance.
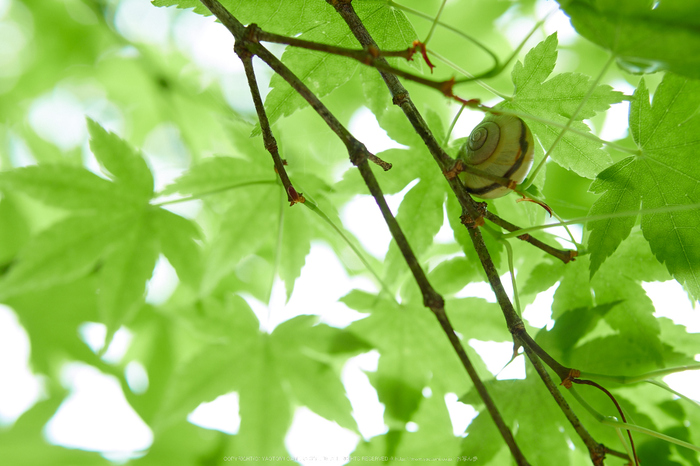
(315, 209)
(584, 220)
(493, 71)
(435, 23)
(573, 116)
(198, 196)
(626, 380)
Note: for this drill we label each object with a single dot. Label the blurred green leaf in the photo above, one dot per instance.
(644, 36)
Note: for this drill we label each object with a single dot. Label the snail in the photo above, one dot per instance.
(501, 145)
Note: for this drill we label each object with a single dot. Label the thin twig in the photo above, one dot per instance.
(246, 38)
(619, 410)
(365, 56)
(269, 139)
(565, 255)
(370, 56)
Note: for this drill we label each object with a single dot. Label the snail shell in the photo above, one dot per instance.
(501, 145)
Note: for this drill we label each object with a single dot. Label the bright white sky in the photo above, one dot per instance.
(96, 400)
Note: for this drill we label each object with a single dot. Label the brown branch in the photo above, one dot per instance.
(365, 56)
(370, 56)
(270, 143)
(245, 39)
(619, 454)
(470, 216)
(435, 303)
(359, 156)
(595, 449)
(565, 255)
(401, 98)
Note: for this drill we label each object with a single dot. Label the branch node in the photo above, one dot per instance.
(400, 99)
(435, 303)
(447, 86)
(470, 222)
(373, 50)
(420, 45)
(294, 196)
(517, 329)
(456, 168)
(271, 144)
(569, 380)
(251, 33)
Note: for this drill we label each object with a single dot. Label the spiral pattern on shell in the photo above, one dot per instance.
(501, 145)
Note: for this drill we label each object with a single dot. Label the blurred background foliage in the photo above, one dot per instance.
(168, 84)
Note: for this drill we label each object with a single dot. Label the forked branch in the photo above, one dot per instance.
(359, 155)
(471, 216)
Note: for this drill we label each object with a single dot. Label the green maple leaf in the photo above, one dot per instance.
(324, 72)
(543, 444)
(622, 314)
(433, 439)
(414, 352)
(644, 38)
(220, 174)
(288, 17)
(109, 228)
(663, 175)
(272, 373)
(556, 100)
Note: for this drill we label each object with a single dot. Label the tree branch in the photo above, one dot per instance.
(595, 449)
(359, 156)
(471, 216)
(370, 56)
(270, 143)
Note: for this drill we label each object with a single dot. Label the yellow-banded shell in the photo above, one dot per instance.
(501, 145)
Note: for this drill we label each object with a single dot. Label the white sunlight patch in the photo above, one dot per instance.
(496, 355)
(461, 414)
(136, 377)
(19, 388)
(366, 408)
(94, 334)
(483, 290)
(539, 312)
(163, 282)
(362, 217)
(67, 132)
(139, 21)
(671, 301)
(313, 440)
(222, 414)
(365, 126)
(96, 416)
